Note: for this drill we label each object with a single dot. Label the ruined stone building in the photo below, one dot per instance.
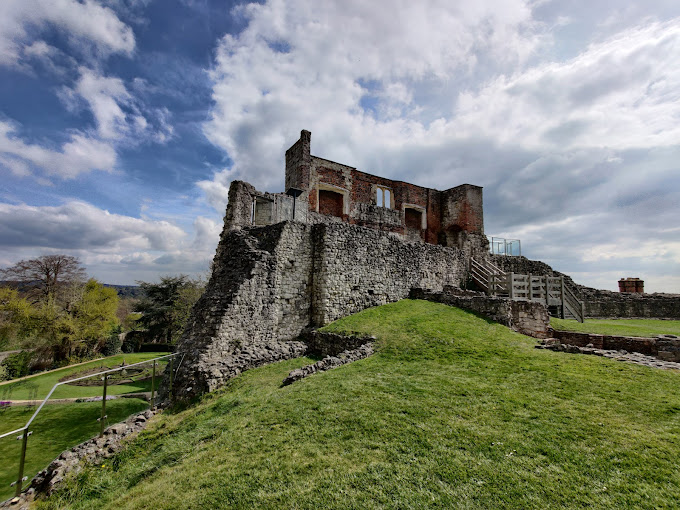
(337, 241)
(319, 190)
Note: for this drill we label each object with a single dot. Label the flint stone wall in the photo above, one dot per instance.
(271, 283)
(322, 343)
(526, 317)
(600, 303)
(664, 347)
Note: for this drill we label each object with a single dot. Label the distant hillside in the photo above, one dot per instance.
(131, 291)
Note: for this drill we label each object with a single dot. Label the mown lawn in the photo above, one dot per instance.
(57, 428)
(37, 388)
(623, 327)
(453, 411)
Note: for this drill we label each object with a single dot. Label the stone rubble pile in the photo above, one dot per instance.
(329, 362)
(554, 344)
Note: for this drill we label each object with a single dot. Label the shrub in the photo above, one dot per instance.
(113, 343)
(18, 364)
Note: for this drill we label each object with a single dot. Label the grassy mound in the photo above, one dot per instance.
(622, 327)
(452, 412)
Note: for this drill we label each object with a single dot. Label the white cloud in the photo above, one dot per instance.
(88, 25)
(120, 117)
(114, 248)
(106, 97)
(79, 155)
(622, 93)
(301, 66)
(79, 225)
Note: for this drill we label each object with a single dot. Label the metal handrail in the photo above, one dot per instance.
(24, 429)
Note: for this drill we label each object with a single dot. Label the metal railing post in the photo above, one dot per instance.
(172, 358)
(153, 385)
(22, 461)
(547, 291)
(511, 285)
(102, 418)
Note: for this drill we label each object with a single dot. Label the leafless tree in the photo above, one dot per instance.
(48, 273)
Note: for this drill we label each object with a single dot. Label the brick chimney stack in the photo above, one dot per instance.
(632, 285)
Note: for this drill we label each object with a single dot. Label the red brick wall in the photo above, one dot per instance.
(330, 203)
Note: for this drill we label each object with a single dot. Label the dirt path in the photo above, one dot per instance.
(146, 395)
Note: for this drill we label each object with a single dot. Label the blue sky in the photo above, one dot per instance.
(122, 122)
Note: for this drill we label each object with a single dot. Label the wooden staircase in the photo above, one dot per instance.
(550, 290)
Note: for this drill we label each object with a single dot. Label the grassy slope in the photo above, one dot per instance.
(623, 327)
(38, 387)
(452, 412)
(56, 428)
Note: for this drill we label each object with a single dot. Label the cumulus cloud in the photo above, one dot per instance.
(90, 27)
(120, 116)
(622, 93)
(115, 248)
(78, 155)
(80, 226)
(297, 66)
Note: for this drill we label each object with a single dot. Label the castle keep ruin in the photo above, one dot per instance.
(336, 242)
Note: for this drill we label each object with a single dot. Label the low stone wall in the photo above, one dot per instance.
(93, 450)
(342, 358)
(331, 344)
(664, 347)
(528, 318)
(610, 342)
(605, 303)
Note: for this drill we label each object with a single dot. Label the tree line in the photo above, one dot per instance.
(55, 315)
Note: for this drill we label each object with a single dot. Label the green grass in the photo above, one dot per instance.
(621, 327)
(453, 411)
(37, 388)
(57, 428)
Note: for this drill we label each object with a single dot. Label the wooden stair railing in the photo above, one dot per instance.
(549, 290)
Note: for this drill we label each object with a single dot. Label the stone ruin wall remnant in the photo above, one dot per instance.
(336, 242)
(271, 283)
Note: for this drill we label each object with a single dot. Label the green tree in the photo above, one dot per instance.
(83, 328)
(16, 318)
(166, 306)
(94, 315)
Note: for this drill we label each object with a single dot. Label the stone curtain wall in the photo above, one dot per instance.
(356, 268)
(604, 303)
(600, 303)
(271, 283)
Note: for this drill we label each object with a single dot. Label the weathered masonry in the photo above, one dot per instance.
(336, 242)
(319, 190)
